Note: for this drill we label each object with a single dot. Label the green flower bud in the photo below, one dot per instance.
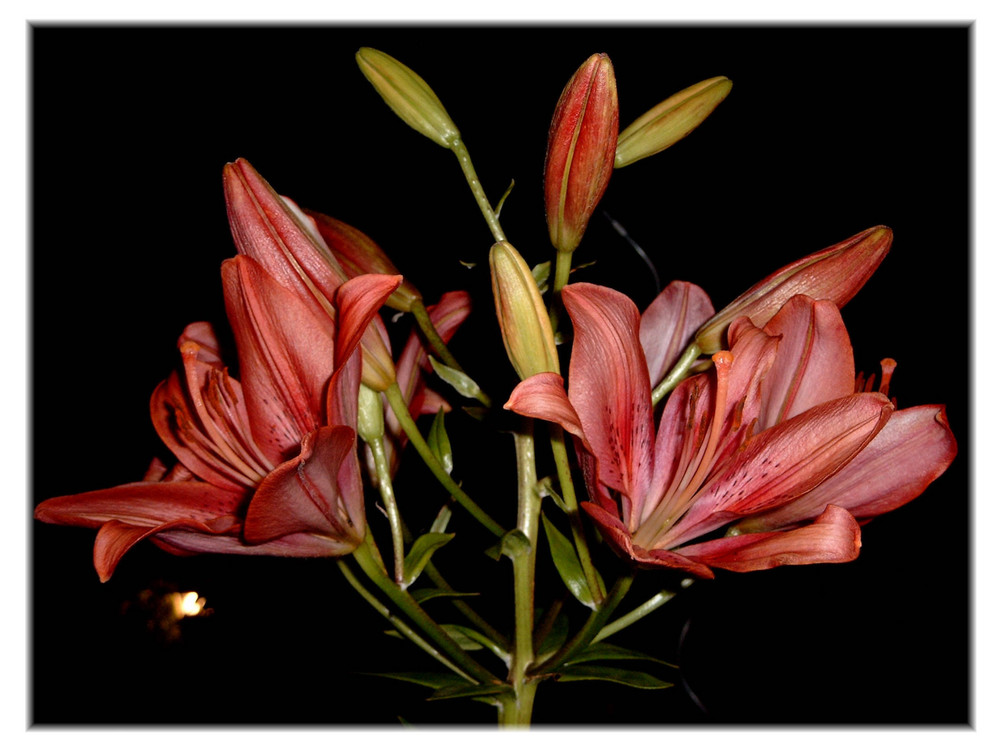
(524, 323)
(670, 120)
(408, 95)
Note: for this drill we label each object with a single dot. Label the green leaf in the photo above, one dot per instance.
(607, 651)
(472, 640)
(568, 564)
(541, 274)
(436, 680)
(457, 379)
(422, 595)
(612, 674)
(512, 544)
(503, 199)
(469, 691)
(439, 444)
(420, 554)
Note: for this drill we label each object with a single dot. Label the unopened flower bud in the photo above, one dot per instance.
(358, 254)
(670, 120)
(408, 95)
(371, 423)
(524, 323)
(581, 151)
(836, 273)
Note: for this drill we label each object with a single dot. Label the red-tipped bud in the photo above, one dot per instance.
(357, 253)
(836, 273)
(581, 151)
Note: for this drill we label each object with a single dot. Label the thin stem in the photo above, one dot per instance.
(459, 149)
(397, 623)
(402, 412)
(558, 440)
(391, 509)
(367, 557)
(650, 605)
(528, 508)
(593, 625)
(677, 374)
(438, 345)
(564, 263)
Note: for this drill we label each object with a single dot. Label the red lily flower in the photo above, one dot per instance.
(266, 464)
(815, 363)
(655, 491)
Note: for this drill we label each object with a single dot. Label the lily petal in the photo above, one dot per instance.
(815, 361)
(286, 355)
(305, 494)
(146, 504)
(834, 537)
(542, 396)
(358, 302)
(615, 533)
(609, 385)
(202, 418)
(115, 538)
(783, 463)
(911, 451)
(668, 324)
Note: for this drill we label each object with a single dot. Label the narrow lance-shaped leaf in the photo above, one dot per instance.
(420, 554)
(610, 652)
(628, 677)
(457, 379)
(439, 443)
(568, 564)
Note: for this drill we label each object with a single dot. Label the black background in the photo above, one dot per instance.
(827, 131)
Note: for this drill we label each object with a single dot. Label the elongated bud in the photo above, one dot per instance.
(581, 151)
(524, 322)
(357, 253)
(670, 120)
(836, 273)
(408, 95)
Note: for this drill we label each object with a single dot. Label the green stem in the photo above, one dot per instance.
(528, 508)
(367, 557)
(590, 628)
(391, 509)
(438, 345)
(397, 623)
(650, 605)
(564, 263)
(558, 440)
(459, 149)
(402, 412)
(677, 374)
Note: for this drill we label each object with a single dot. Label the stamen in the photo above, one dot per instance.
(888, 365)
(669, 510)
